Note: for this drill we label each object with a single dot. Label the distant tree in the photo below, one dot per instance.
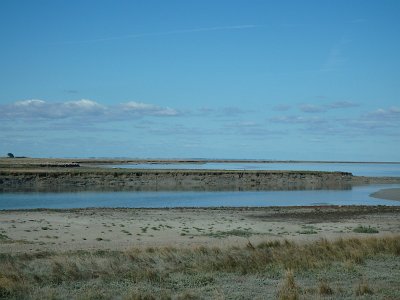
(10, 155)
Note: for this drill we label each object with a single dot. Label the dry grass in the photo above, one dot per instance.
(363, 288)
(289, 290)
(324, 288)
(164, 273)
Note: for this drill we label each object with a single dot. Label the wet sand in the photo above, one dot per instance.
(119, 229)
(388, 194)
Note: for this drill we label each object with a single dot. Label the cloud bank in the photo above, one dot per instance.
(383, 121)
(36, 109)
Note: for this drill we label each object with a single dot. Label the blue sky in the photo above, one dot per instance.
(307, 80)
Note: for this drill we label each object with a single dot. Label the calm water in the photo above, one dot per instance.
(355, 196)
(358, 169)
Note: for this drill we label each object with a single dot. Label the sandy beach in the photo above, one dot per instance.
(120, 229)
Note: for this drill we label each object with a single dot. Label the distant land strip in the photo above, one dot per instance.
(65, 175)
(26, 161)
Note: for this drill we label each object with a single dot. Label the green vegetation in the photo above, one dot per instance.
(364, 229)
(274, 269)
(307, 229)
(233, 232)
(3, 237)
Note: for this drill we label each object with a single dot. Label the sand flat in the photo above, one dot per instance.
(119, 229)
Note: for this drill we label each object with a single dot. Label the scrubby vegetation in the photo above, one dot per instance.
(285, 270)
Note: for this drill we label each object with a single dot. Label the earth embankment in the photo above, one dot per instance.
(69, 179)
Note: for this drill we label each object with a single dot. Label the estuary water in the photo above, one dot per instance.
(355, 196)
(358, 169)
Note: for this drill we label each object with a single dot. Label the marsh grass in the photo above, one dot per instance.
(177, 272)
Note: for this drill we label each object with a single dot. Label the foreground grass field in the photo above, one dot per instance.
(342, 269)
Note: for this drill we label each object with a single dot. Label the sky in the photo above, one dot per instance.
(285, 80)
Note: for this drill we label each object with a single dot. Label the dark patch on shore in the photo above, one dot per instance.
(325, 213)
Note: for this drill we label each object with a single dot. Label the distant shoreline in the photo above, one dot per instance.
(4, 161)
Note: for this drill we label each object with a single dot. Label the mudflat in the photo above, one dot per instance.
(120, 229)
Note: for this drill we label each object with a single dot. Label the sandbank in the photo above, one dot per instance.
(388, 194)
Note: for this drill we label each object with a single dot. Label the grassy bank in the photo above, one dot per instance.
(341, 269)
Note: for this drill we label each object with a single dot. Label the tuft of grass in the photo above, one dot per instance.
(363, 288)
(7, 287)
(364, 229)
(307, 229)
(233, 232)
(289, 289)
(4, 237)
(324, 288)
(145, 294)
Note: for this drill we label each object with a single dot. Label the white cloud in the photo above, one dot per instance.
(281, 107)
(32, 102)
(311, 108)
(298, 120)
(384, 120)
(84, 104)
(248, 128)
(341, 104)
(84, 108)
(227, 111)
(391, 113)
(26, 109)
(148, 109)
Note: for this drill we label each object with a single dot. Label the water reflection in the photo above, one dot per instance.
(289, 186)
(355, 196)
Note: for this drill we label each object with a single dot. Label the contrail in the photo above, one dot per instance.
(181, 31)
